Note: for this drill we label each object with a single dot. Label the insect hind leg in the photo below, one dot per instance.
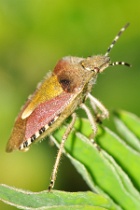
(60, 151)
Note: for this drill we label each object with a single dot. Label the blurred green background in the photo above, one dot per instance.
(34, 35)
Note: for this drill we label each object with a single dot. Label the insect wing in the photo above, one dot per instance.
(18, 131)
(46, 114)
(38, 122)
(46, 90)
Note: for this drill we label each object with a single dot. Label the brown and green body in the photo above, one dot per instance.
(55, 100)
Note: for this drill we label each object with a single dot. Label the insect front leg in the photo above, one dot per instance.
(64, 138)
(98, 106)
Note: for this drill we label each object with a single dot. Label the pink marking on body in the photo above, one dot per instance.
(46, 112)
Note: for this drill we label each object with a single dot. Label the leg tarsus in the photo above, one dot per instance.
(95, 144)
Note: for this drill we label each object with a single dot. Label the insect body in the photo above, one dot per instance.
(57, 98)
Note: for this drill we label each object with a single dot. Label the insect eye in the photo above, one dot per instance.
(65, 83)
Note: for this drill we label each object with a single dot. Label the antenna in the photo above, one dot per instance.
(122, 63)
(116, 39)
(112, 45)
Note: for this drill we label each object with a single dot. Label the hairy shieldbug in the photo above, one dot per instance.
(57, 97)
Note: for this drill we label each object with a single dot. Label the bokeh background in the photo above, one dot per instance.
(34, 35)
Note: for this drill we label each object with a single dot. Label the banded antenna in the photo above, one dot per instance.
(112, 45)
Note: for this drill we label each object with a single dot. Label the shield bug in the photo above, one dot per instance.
(57, 98)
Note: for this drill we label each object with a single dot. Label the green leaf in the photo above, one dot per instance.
(102, 173)
(53, 200)
(128, 125)
(124, 155)
(113, 172)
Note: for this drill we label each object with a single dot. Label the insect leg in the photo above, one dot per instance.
(64, 138)
(97, 104)
(93, 124)
(90, 117)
